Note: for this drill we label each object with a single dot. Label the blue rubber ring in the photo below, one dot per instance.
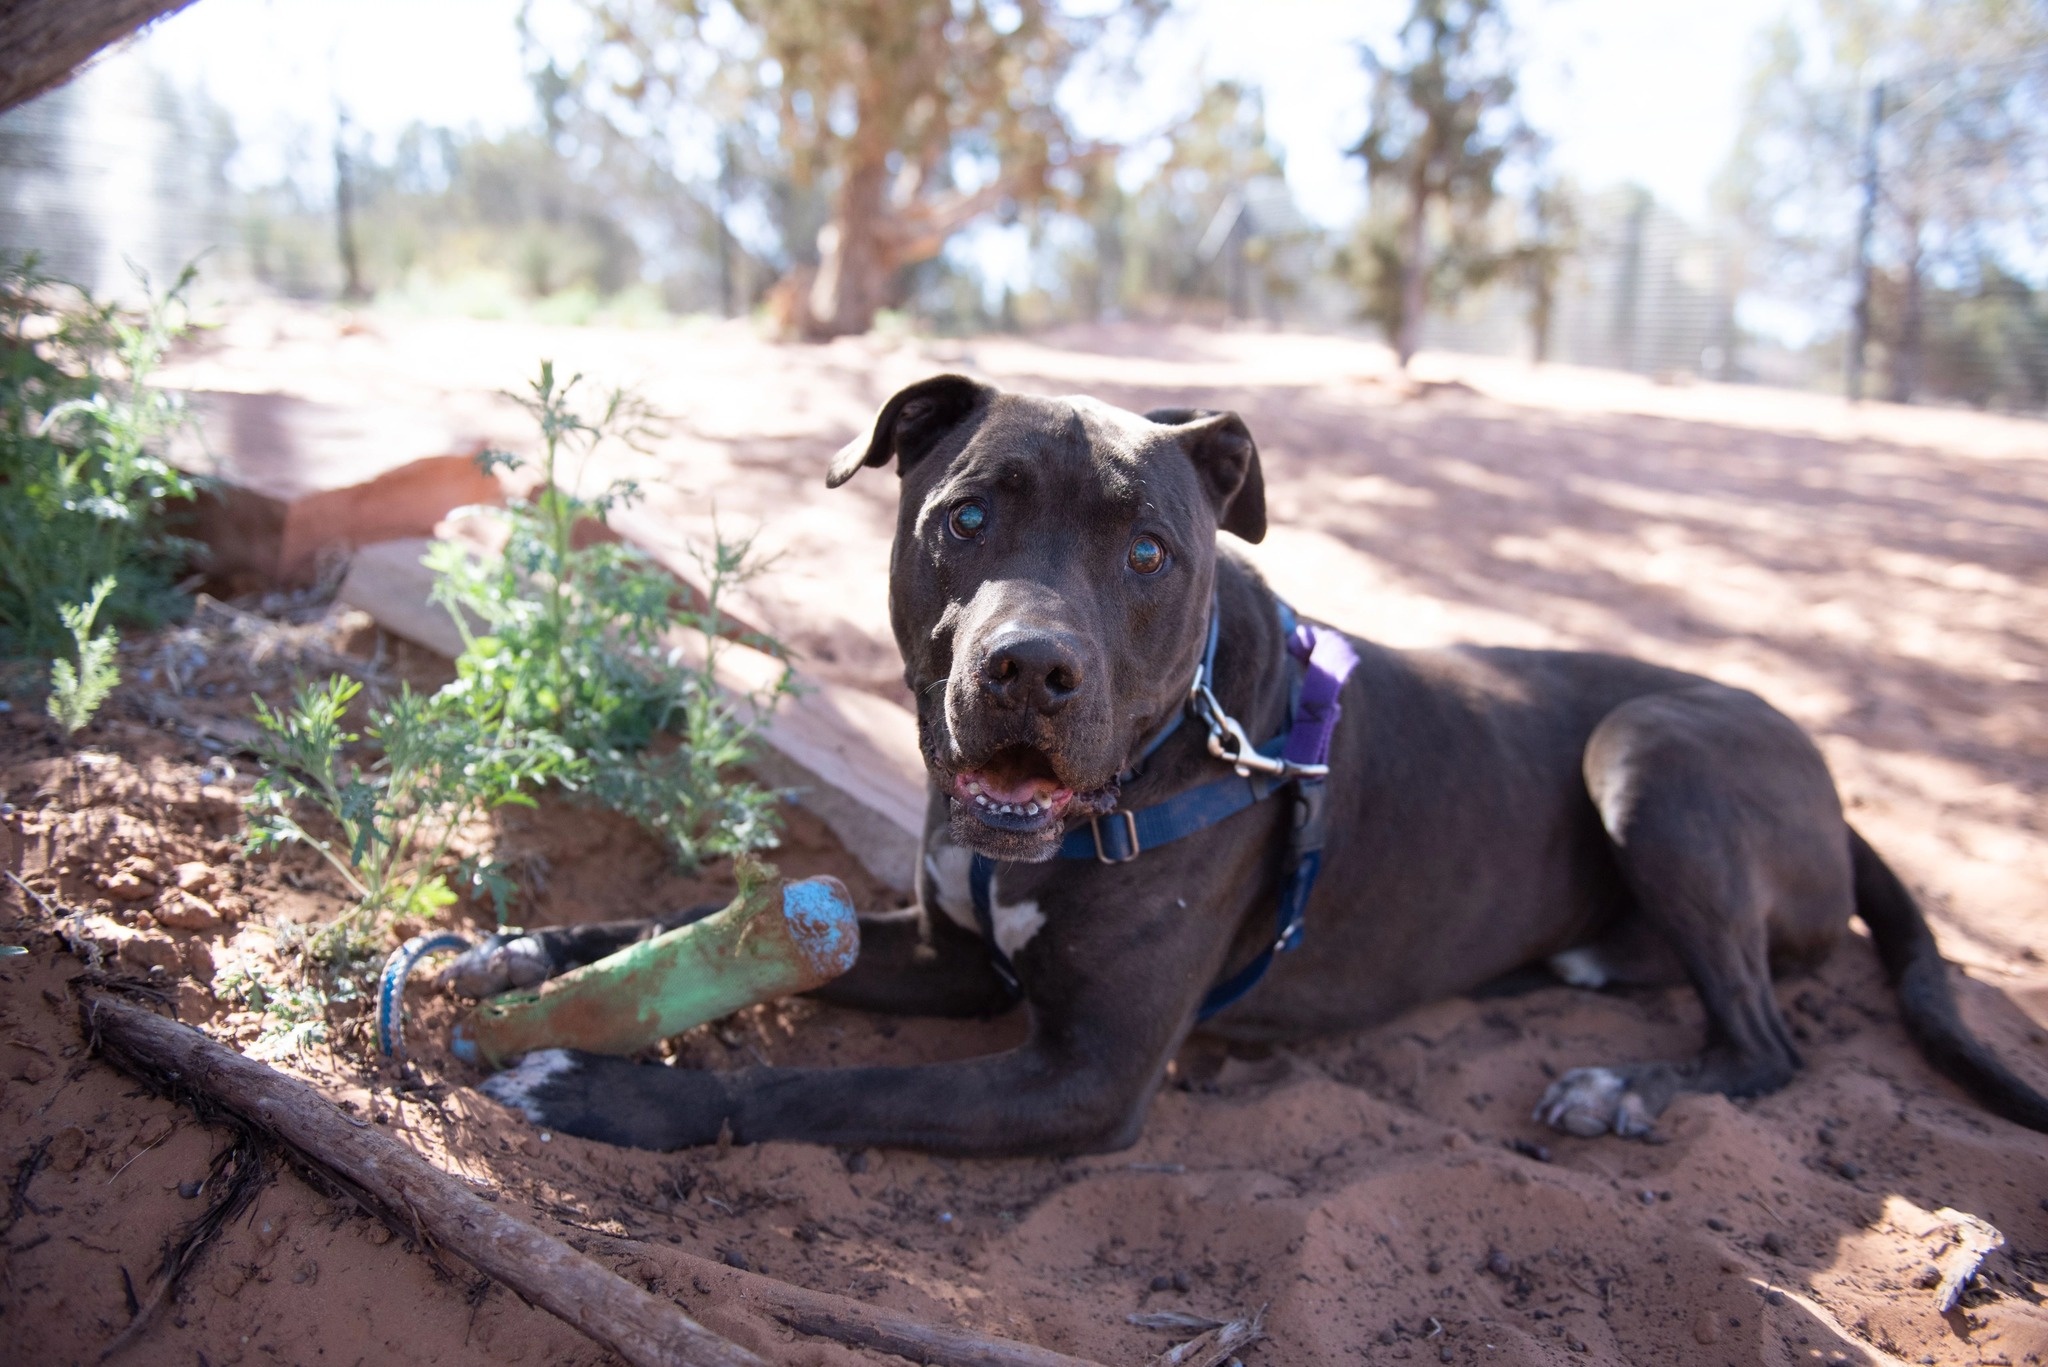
(391, 987)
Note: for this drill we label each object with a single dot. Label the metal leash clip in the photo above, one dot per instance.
(1229, 743)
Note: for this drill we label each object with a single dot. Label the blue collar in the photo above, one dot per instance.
(1296, 759)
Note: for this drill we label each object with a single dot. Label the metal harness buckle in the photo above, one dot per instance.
(1130, 830)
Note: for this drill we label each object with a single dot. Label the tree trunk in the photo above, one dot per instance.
(46, 40)
(856, 256)
(1906, 356)
(1240, 286)
(352, 288)
(1629, 292)
(1414, 268)
(730, 298)
(1542, 300)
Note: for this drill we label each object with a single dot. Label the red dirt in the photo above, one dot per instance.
(1888, 592)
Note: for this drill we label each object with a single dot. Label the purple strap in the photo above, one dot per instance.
(1327, 659)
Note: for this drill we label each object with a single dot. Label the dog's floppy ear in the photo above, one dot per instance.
(1227, 459)
(909, 425)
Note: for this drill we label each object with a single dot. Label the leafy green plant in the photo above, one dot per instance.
(294, 1015)
(595, 644)
(84, 478)
(314, 978)
(77, 690)
(448, 758)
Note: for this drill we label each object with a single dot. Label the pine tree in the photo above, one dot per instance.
(879, 103)
(1442, 122)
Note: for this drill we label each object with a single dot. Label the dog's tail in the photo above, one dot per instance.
(1920, 975)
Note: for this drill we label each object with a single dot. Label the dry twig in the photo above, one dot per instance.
(391, 1180)
(589, 1297)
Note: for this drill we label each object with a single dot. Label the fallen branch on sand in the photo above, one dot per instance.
(1216, 1347)
(823, 1315)
(392, 1181)
(640, 1328)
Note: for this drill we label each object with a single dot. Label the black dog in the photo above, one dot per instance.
(1053, 586)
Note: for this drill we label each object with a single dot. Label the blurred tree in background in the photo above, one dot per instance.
(1442, 123)
(944, 165)
(1185, 221)
(1549, 237)
(1934, 114)
(911, 117)
(816, 159)
(1198, 224)
(485, 225)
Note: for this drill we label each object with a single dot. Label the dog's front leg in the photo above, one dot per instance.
(913, 966)
(1079, 1084)
(1030, 1100)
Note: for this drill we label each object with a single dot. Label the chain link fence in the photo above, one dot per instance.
(113, 177)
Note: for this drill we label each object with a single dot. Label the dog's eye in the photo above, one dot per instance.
(967, 520)
(1147, 555)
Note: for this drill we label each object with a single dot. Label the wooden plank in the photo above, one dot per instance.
(296, 480)
(388, 581)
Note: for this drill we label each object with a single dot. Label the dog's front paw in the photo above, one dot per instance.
(1592, 1101)
(536, 1085)
(612, 1100)
(499, 964)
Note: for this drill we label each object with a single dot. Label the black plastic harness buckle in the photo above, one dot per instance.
(1311, 810)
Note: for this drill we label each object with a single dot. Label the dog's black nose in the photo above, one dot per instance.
(1035, 671)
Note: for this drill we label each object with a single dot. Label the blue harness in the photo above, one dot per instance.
(1297, 761)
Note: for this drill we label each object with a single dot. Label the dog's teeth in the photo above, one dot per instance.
(980, 801)
(973, 787)
(1031, 809)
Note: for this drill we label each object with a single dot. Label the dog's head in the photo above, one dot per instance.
(1050, 588)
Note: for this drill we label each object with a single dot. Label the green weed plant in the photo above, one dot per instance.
(314, 978)
(84, 474)
(585, 642)
(77, 689)
(576, 679)
(448, 758)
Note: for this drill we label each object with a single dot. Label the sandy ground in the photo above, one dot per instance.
(1880, 574)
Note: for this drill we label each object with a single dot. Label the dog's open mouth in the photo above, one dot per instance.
(1016, 789)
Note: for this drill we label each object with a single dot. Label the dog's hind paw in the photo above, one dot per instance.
(1592, 1101)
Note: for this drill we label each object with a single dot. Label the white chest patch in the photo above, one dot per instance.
(1580, 967)
(1015, 923)
(946, 867)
